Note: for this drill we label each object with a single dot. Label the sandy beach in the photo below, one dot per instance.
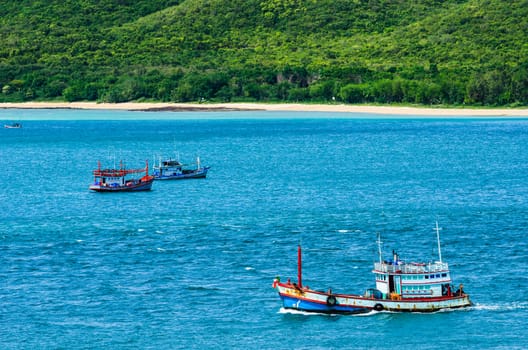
(338, 108)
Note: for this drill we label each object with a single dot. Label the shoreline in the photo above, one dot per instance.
(284, 107)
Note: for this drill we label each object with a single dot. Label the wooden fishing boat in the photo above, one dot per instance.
(13, 126)
(172, 169)
(400, 287)
(121, 180)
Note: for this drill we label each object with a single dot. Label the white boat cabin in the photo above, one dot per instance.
(111, 181)
(397, 279)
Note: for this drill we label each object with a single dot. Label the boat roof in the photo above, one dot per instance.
(116, 172)
(170, 162)
(411, 268)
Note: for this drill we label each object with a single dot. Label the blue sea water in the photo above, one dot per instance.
(190, 264)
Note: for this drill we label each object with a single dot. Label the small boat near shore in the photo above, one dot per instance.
(400, 287)
(13, 126)
(121, 180)
(172, 169)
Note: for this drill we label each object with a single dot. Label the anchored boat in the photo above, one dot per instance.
(171, 169)
(400, 287)
(13, 126)
(121, 180)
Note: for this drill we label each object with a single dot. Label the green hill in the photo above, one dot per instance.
(356, 51)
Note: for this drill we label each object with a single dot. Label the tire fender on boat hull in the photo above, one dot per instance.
(378, 307)
(331, 300)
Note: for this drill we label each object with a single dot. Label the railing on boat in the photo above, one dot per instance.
(402, 267)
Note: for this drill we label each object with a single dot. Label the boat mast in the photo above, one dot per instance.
(437, 229)
(379, 246)
(299, 266)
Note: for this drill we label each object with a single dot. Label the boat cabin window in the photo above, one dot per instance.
(381, 277)
(444, 275)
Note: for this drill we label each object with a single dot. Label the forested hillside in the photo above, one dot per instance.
(355, 51)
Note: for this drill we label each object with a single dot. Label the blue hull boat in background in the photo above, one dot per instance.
(171, 169)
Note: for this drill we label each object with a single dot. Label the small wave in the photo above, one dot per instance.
(232, 227)
(299, 312)
(249, 268)
(160, 249)
(368, 314)
(203, 288)
(343, 231)
(141, 230)
(501, 307)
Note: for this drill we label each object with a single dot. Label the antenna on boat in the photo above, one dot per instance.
(299, 266)
(437, 229)
(379, 246)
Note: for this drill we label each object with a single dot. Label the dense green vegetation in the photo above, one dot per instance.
(356, 51)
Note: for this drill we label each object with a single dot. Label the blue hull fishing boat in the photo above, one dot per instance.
(171, 169)
(120, 180)
(400, 287)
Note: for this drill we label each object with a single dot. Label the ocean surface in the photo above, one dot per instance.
(189, 265)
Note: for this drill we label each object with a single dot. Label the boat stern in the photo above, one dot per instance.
(94, 187)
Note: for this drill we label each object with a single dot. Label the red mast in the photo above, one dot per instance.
(299, 266)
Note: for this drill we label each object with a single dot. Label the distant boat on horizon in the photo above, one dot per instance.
(13, 126)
